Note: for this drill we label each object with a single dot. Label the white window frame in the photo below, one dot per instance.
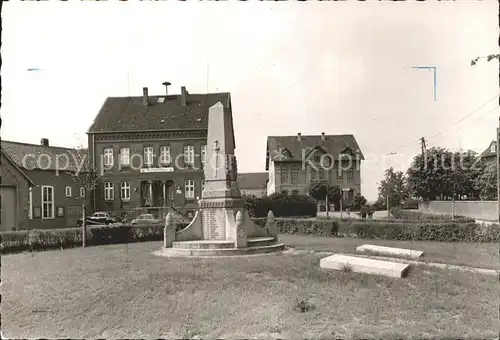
(165, 155)
(82, 192)
(189, 189)
(108, 156)
(148, 155)
(203, 157)
(125, 191)
(125, 156)
(493, 148)
(109, 191)
(68, 191)
(50, 203)
(30, 200)
(188, 154)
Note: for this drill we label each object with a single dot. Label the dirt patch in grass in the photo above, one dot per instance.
(480, 255)
(124, 291)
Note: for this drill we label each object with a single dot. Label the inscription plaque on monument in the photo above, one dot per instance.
(214, 224)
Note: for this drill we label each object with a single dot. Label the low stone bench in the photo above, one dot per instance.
(414, 254)
(364, 265)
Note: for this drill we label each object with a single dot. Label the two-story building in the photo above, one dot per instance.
(48, 197)
(294, 162)
(489, 155)
(151, 150)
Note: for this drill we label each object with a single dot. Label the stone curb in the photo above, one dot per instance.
(432, 264)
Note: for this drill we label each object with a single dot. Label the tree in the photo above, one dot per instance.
(488, 58)
(441, 172)
(394, 186)
(318, 190)
(486, 183)
(86, 176)
(359, 202)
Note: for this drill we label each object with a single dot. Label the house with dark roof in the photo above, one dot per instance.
(15, 191)
(294, 162)
(46, 195)
(489, 155)
(253, 183)
(152, 150)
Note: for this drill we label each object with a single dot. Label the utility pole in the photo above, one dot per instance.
(327, 187)
(422, 141)
(498, 169)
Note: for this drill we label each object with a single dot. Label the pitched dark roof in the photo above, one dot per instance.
(252, 180)
(121, 114)
(33, 156)
(289, 148)
(487, 153)
(10, 160)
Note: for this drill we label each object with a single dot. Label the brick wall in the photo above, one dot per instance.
(59, 181)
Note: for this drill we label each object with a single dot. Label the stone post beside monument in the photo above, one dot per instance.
(240, 240)
(169, 231)
(271, 225)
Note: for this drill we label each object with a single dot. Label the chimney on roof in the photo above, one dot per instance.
(44, 142)
(145, 98)
(299, 136)
(184, 96)
(323, 136)
(166, 88)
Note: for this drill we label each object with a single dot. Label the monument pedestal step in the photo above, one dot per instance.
(222, 244)
(215, 252)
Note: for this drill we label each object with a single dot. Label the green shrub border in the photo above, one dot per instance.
(34, 240)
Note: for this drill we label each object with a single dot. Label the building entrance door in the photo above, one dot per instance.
(169, 193)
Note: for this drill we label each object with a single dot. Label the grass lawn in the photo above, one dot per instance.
(480, 255)
(124, 291)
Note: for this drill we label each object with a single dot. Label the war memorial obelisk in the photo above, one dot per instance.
(221, 226)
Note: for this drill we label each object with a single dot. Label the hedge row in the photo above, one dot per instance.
(429, 231)
(282, 205)
(415, 215)
(15, 241)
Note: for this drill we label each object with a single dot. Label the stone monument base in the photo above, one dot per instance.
(233, 234)
(222, 248)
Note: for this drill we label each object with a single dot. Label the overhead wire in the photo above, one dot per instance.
(418, 140)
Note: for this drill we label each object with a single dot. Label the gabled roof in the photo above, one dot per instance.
(123, 114)
(487, 153)
(33, 156)
(10, 160)
(333, 145)
(252, 180)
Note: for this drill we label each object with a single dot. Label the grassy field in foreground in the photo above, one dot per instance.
(124, 291)
(481, 255)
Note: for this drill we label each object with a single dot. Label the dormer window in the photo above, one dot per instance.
(493, 148)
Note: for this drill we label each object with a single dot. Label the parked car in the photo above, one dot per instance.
(99, 218)
(146, 219)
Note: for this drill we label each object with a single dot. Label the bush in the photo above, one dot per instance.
(30, 240)
(390, 230)
(359, 202)
(302, 226)
(282, 205)
(418, 215)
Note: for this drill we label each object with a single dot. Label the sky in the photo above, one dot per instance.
(308, 67)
